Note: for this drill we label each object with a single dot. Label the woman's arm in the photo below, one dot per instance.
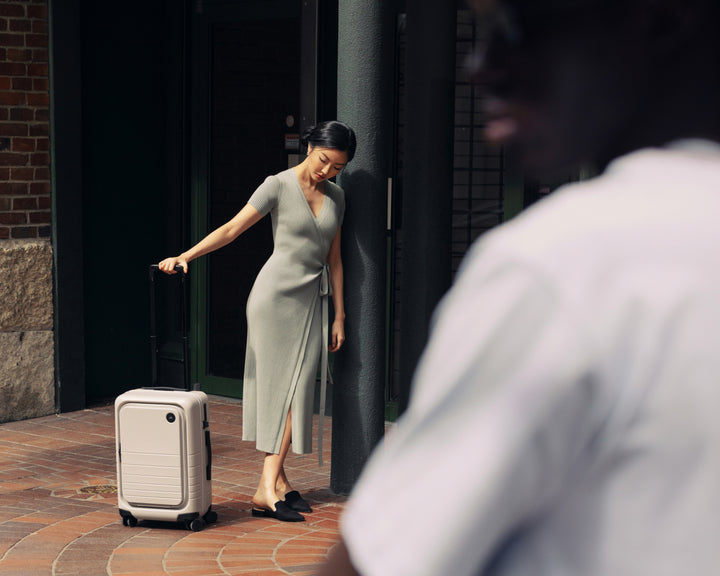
(334, 261)
(216, 239)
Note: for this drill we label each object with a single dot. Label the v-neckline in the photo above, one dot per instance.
(307, 203)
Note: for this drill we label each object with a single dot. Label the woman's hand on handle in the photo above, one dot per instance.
(168, 265)
(216, 239)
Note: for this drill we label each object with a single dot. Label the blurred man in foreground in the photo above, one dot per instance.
(564, 417)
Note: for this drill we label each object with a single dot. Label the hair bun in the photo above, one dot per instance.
(331, 134)
(307, 135)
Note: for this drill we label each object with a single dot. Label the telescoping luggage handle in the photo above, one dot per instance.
(153, 328)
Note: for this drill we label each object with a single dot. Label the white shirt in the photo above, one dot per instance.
(565, 417)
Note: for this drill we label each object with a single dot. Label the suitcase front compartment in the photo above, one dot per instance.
(152, 451)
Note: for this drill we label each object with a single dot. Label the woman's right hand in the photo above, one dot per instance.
(168, 265)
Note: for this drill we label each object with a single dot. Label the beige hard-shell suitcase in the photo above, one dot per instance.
(163, 449)
(164, 457)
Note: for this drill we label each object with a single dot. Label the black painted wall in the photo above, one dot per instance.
(132, 54)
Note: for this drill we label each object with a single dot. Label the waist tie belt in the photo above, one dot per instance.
(325, 292)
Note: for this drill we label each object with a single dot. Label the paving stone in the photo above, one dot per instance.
(58, 511)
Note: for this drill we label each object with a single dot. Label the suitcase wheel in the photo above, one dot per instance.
(129, 521)
(196, 525)
(211, 517)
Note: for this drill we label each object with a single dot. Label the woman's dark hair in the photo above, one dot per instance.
(331, 134)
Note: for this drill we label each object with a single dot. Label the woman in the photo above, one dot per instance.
(286, 306)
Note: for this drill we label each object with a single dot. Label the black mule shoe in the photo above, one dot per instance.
(282, 512)
(297, 502)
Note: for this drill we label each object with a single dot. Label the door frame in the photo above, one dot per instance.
(205, 15)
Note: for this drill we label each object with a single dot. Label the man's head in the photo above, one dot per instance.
(577, 81)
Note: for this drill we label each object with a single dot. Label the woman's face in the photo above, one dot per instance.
(325, 162)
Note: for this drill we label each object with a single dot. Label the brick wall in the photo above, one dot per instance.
(24, 120)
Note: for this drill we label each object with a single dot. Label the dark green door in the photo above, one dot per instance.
(247, 101)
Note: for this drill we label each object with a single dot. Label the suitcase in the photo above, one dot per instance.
(163, 449)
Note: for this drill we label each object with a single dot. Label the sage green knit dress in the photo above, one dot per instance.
(284, 313)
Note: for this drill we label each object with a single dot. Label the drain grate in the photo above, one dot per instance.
(102, 489)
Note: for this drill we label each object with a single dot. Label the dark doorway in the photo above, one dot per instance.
(251, 53)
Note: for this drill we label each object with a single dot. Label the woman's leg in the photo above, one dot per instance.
(282, 486)
(273, 474)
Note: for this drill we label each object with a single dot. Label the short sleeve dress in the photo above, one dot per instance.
(284, 313)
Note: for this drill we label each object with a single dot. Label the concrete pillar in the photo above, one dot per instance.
(427, 196)
(364, 97)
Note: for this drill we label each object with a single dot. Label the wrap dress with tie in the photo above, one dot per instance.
(285, 312)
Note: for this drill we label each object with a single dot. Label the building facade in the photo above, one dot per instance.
(127, 132)
(27, 374)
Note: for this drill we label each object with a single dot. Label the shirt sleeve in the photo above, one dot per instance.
(338, 195)
(265, 197)
(497, 416)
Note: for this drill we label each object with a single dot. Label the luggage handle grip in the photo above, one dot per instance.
(155, 267)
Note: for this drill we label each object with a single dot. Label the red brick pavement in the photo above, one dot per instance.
(58, 506)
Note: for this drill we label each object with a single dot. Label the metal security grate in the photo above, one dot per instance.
(478, 181)
(479, 170)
